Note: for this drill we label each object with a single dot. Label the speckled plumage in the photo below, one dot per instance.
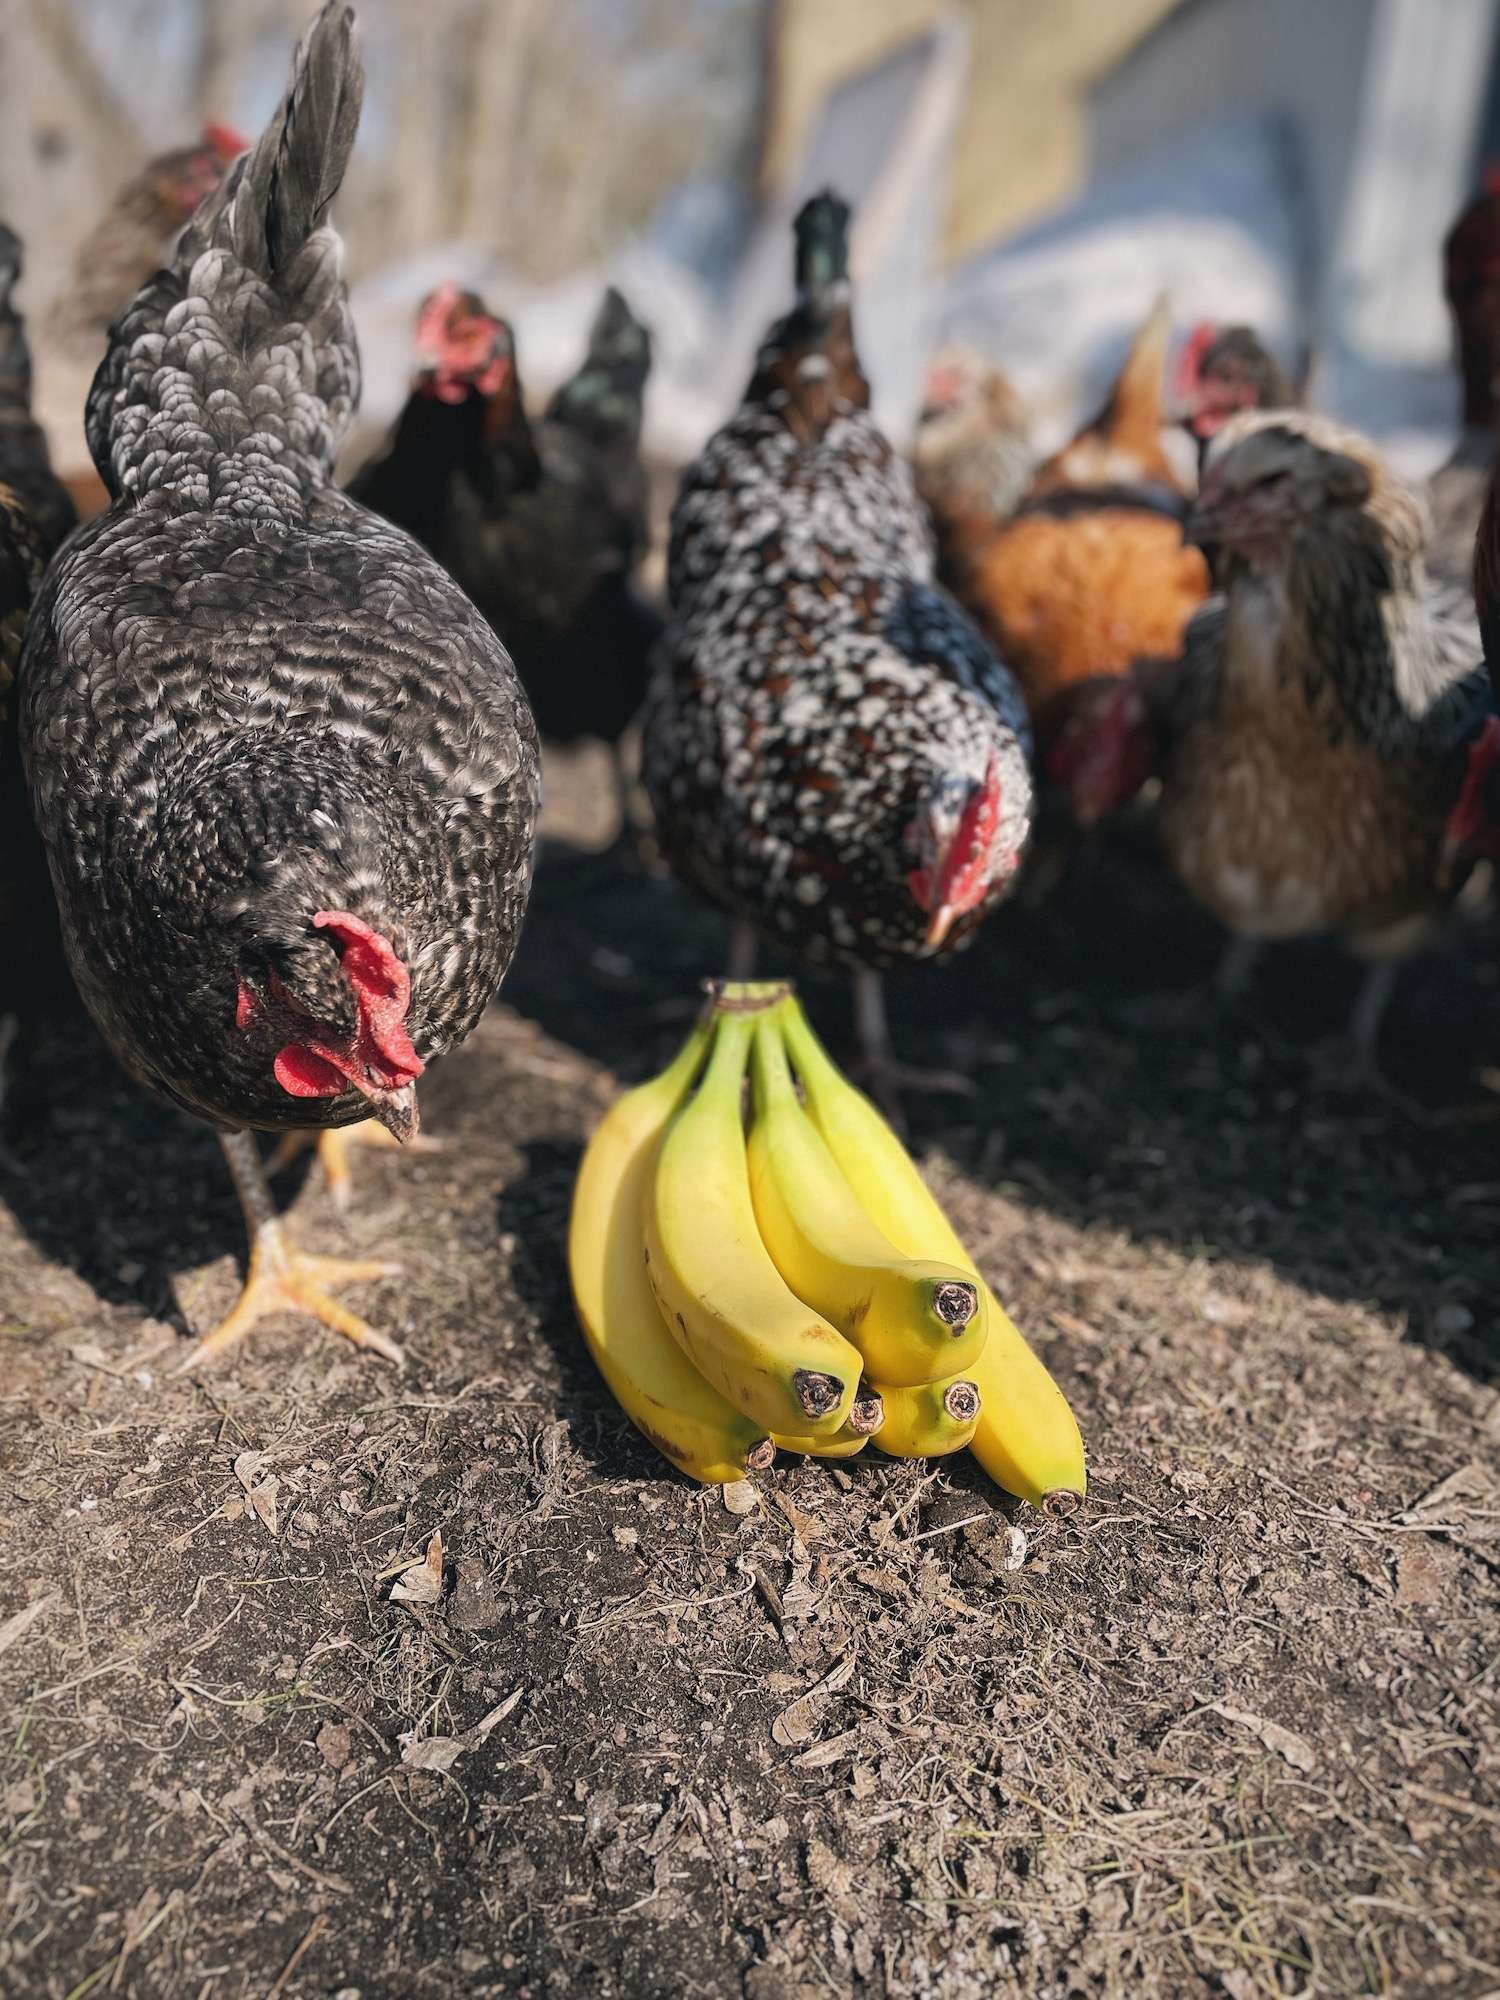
(816, 685)
(245, 698)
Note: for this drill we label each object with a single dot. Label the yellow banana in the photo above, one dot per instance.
(731, 1310)
(930, 1420)
(1027, 1439)
(656, 1385)
(912, 1321)
(846, 1442)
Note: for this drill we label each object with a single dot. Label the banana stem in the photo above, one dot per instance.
(688, 1060)
(747, 996)
(731, 1050)
(770, 1073)
(807, 1052)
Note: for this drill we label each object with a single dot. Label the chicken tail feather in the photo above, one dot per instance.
(194, 404)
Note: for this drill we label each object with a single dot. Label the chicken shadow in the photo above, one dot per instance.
(112, 1184)
(1231, 1134)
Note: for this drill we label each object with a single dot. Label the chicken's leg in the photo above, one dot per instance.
(283, 1278)
(742, 944)
(333, 1147)
(878, 1068)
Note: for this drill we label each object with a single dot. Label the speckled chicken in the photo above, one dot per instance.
(35, 515)
(285, 775)
(1311, 739)
(543, 524)
(833, 753)
(1090, 571)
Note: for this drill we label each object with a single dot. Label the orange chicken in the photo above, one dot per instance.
(1091, 572)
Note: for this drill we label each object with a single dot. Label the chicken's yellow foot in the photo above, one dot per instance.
(283, 1278)
(333, 1147)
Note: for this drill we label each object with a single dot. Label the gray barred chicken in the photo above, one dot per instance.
(35, 515)
(1316, 734)
(832, 752)
(283, 769)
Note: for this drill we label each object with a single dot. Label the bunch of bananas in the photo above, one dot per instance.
(797, 1287)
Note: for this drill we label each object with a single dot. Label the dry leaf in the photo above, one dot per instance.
(334, 1742)
(499, 1712)
(422, 1582)
(263, 1500)
(1421, 1573)
(1297, 1751)
(247, 1467)
(433, 1753)
(831, 1751)
(794, 1725)
(740, 1497)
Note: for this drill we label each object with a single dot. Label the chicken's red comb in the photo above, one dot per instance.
(225, 141)
(382, 994)
(1190, 359)
(1469, 816)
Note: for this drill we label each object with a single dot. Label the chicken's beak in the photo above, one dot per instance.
(397, 1111)
(943, 920)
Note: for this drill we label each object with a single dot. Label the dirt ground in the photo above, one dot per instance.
(1230, 1731)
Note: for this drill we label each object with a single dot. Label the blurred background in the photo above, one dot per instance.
(1026, 177)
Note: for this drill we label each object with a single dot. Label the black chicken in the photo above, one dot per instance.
(285, 775)
(544, 525)
(35, 515)
(832, 751)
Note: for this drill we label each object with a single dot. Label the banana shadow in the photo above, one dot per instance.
(532, 1212)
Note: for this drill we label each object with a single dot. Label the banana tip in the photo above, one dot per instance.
(817, 1393)
(1061, 1502)
(760, 1457)
(956, 1303)
(866, 1415)
(961, 1401)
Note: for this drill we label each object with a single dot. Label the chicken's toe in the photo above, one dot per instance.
(284, 1279)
